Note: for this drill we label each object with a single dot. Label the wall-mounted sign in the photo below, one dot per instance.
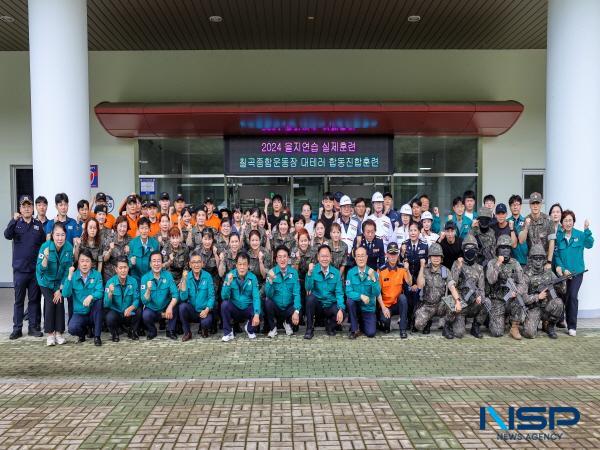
(147, 186)
(275, 155)
(94, 175)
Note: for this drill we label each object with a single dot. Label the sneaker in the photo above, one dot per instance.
(288, 329)
(250, 335)
(60, 340)
(272, 333)
(50, 340)
(228, 337)
(572, 332)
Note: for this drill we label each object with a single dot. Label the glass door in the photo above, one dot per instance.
(249, 192)
(359, 186)
(308, 189)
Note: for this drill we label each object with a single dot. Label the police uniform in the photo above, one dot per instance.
(362, 315)
(124, 296)
(50, 279)
(84, 316)
(413, 254)
(198, 295)
(383, 229)
(326, 298)
(27, 239)
(463, 273)
(141, 251)
(163, 291)
(241, 301)
(282, 296)
(549, 309)
(375, 251)
(497, 277)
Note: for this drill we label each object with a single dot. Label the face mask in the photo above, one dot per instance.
(484, 223)
(470, 253)
(505, 252)
(538, 263)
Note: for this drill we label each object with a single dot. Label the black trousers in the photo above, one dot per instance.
(54, 314)
(26, 284)
(572, 303)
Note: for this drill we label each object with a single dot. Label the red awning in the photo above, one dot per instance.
(137, 120)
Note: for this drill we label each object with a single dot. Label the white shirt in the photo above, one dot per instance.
(353, 231)
(401, 233)
(384, 229)
(429, 238)
(310, 227)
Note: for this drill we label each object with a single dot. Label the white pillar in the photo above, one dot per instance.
(572, 124)
(60, 125)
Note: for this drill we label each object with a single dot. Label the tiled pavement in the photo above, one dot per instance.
(289, 393)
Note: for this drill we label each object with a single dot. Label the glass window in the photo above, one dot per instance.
(181, 156)
(435, 155)
(533, 181)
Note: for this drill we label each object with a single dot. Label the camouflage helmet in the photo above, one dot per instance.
(436, 250)
(537, 250)
(485, 212)
(470, 240)
(504, 241)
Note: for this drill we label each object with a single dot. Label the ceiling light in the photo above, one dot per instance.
(7, 19)
(414, 18)
(311, 17)
(215, 19)
(424, 168)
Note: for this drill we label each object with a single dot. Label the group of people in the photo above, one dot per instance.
(173, 265)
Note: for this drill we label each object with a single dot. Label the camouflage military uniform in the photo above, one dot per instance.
(254, 264)
(246, 237)
(301, 261)
(287, 240)
(431, 304)
(106, 235)
(339, 255)
(487, 245)
(229, 261)
(109, 268)
(541, 231)
(549, 309)
(209, 263)
(497, 276)
(180, 260)
(221, 243)
(195, 240)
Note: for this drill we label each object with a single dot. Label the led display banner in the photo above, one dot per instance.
(308, 155)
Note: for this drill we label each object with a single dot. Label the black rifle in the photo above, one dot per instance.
(549, 286)
(512, 289)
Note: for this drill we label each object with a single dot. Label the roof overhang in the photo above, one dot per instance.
(172, 120)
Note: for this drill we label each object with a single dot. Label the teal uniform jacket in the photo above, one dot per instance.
(521, 251)
(284, 290)
(358, 284)
(142, 257)
(241, 294)
(78, 290)
(328, 290)
(57, 269)
(436, 224)
(124, 295)
(569, 254)
(163, 291)
(465, 225)
(199, 293)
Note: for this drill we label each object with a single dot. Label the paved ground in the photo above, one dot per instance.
(424, 392)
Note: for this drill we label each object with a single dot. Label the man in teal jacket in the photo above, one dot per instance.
(122, 302)
(197, 298)
(241, 299)
(324, 294)
(159, 295)
(140, 249)
(84, 286)
(362, 289)
(282, 291)
(463, 223)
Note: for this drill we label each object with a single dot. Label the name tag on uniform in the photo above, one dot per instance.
(376, 250)
(421, 252)
(36, 227)
(69, 227)
(576, 240)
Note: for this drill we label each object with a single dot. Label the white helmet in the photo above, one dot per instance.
(377, 197)
(345, 200)
(406, 209)
(426, 215)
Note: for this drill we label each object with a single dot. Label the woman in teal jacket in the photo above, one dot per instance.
(568, 257)
(54, 259)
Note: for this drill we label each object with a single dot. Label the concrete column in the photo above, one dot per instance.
(572, 123)
(60, 124)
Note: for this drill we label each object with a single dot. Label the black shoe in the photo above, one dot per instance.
(162, 324)
(115, 337)
(131, 334)
(475, 330)
(149, 336)
(352, 335)
(447, 333)
(16, 335)
(90, 333)
(141, 332)
(97, 341)
(403, 334)
(552, 332)
(309, 334)
(386, 330)
(330, 331)
(35, 333)
(413, 329)
(427, 328)
(80, 339)
(561, 324)
(172, 335)
(295, 328)
(205, 332)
